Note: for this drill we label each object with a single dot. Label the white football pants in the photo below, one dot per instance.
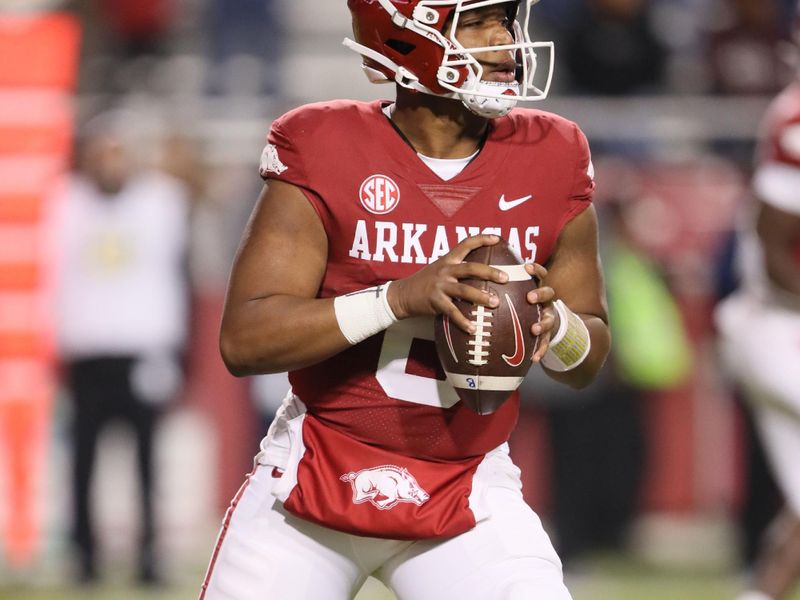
(265, 553)
(765, 366)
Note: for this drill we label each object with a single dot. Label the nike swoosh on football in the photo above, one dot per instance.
(509, 204)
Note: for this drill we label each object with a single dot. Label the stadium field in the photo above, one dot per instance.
(622, 581)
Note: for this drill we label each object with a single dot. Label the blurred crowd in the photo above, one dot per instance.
(609, 47)
(188, 89)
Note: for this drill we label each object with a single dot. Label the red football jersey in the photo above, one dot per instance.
(386, 215)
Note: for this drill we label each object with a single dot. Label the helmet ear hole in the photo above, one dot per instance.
(400, 46)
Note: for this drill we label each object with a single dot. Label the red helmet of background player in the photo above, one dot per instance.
(413, 43)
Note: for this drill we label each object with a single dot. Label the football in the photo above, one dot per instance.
(486, 367)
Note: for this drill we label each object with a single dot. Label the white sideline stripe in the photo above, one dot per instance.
(514, 272)
(487, 383)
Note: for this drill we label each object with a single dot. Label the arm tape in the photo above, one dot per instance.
(363, 313)
(570, 345)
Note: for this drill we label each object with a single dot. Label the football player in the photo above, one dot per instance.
(372, 465)
(766, 310)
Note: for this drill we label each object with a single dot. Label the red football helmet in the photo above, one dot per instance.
(413, 43)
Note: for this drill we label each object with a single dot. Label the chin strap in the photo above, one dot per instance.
(397, 17)
(490, 107)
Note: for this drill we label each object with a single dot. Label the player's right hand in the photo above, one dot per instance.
(430, 290)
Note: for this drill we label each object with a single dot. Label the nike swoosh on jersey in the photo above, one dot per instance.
(509, 204)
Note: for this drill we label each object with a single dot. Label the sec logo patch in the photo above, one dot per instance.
(379, 194)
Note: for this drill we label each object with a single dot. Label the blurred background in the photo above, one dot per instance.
(121, 445)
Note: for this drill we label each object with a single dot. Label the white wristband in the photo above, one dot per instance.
(363, 313)
(570, 345)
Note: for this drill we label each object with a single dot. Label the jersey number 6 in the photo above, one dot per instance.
(392, 373)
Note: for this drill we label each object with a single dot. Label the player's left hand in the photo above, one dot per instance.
(548, 323)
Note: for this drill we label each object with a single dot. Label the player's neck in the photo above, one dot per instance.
(438, 127)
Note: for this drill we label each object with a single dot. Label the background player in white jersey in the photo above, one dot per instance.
(373, 466)
(760, 329)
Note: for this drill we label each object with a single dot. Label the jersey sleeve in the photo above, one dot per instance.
(286, 157)
(281, 159)
(582, 191)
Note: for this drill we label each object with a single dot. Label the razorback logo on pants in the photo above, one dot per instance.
(433, 502)
(385, 486)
